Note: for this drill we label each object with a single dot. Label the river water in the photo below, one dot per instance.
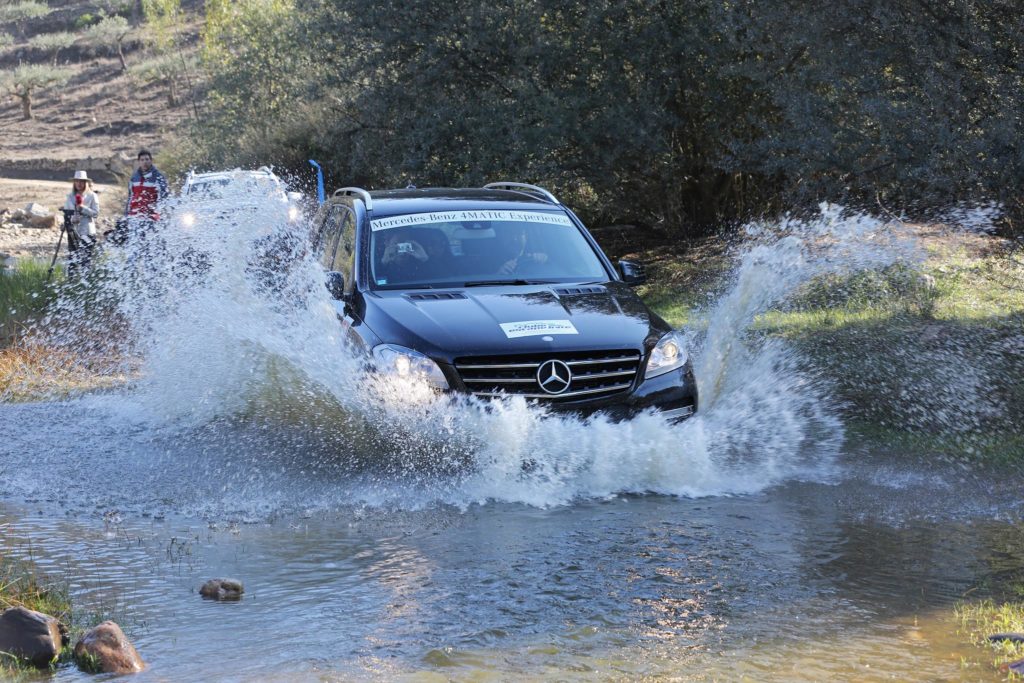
(385, 533)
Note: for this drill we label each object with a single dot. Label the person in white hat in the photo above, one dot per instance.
(83, 206)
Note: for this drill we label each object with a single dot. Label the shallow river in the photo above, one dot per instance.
(850, 579)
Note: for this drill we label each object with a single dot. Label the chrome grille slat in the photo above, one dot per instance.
(500, 380)
(568, 394)
(595, 374)
(504, 366)
(601, 375)
(604, 361)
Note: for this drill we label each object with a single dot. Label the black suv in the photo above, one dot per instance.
(498, 291)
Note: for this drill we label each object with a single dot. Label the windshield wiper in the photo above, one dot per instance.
(499, 283)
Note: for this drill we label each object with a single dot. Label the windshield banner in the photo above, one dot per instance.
(468, 217)
(532, 328)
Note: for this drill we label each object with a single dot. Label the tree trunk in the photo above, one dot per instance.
(26, 106)
(120, 55)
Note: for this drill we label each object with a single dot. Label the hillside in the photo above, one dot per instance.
(103, 114)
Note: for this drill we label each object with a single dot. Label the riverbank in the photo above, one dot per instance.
(22, 585)
(924, 357)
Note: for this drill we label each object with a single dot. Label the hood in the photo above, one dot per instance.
(446, 324)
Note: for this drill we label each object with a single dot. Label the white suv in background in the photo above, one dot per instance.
(215, 184)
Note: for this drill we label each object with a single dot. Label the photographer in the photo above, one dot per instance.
(81, 207)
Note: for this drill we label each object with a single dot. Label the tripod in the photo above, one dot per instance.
(74, 241)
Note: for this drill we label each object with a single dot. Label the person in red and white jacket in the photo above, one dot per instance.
(146, 189)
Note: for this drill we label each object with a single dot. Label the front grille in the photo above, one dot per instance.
(595, 374)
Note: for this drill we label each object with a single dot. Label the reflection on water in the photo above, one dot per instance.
(792, 584)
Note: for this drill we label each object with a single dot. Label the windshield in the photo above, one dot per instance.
(227, 186)
(454, 249)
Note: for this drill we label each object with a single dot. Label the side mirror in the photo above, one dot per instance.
(633, 273)
(336, 285)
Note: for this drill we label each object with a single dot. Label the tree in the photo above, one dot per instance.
(258, 65)
(164, 21)
(110, 34)
(26, 79)
(19, 12)
(52, 43)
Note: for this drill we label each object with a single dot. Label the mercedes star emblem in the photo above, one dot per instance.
(554, 376)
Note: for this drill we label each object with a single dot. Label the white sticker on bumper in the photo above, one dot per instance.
(533, 328)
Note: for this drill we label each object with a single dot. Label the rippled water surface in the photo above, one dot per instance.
(385, 532)
(803, 581)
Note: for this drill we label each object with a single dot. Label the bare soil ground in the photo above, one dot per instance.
(97, 122)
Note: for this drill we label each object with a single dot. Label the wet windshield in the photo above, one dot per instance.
(435, 249)
(226, 186)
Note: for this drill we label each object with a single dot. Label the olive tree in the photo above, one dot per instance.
(110, 34)
(24, 80)
(52, 43)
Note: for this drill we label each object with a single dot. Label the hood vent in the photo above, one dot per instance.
(435, 296)
(565, 291)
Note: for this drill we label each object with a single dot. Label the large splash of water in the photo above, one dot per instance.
(227, 322)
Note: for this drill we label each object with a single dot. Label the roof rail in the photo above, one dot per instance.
(523, 187)
(356, 192)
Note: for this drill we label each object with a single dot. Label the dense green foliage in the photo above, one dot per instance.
(699, 111)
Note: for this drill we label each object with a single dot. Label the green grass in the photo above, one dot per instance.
(22, 586)
(24, 295)
(982, 619)
(925, 359)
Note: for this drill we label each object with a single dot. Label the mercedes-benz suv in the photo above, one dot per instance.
(498, 291)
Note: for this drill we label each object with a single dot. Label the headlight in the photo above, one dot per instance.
(403, 362)
(293, 213)
(188, 219)
(668, 354)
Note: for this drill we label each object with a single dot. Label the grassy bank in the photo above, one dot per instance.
(924, 359)
(25, 292)
(22, 586)
(31, 369)
(980, 620)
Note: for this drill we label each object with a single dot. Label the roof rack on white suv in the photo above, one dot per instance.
(355, 192)
(525, 188)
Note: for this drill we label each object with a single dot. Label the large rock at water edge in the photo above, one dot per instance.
(106, 649)
(222, 589)
(38, 216)
(31, 636)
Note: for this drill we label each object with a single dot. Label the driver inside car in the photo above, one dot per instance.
(520, 258)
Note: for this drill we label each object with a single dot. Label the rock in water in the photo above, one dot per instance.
(222, 589)
(105, 648)
(32, 636)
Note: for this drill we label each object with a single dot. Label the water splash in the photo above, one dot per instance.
(227, 322)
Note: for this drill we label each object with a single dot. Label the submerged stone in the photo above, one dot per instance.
(222, 589)
(31, 636)
(106, 649)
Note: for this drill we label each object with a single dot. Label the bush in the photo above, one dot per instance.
(86, 20)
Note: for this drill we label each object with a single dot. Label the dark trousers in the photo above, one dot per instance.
(79, 253)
